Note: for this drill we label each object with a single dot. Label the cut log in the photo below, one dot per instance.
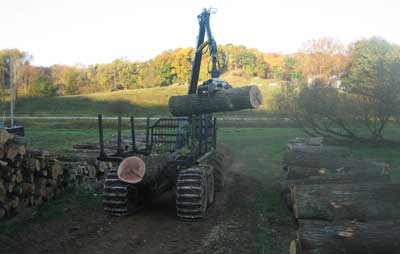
(28, 189)
(320, 150)
(12, 151)
(333, 179)
(353, 166)
(18, 176)
(40, 186)
(361, 202)
(297, 173)
(2, 151)
(54, 168)
(315, 237)
(3, 212)
(137, 169)
(234, 99)
(3, 192)
(287, 185)
(311, 141)
(18, 190)
(5, 136)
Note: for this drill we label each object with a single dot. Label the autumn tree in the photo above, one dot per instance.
(360, 109)
(322, 58)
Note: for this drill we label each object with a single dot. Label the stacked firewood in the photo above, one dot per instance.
(342, 204)
(27, 178)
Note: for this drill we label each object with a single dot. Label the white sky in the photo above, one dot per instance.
(98, 31)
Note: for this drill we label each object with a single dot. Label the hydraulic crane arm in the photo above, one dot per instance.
(204, 29)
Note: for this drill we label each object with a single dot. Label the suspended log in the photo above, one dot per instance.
(361, 202)
(233, 99)
(378, 237)
(353, 166)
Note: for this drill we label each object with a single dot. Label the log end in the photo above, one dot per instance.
(256, 97)
(295, 247)
(132, 170)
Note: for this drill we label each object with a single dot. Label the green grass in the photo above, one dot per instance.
(137, 102)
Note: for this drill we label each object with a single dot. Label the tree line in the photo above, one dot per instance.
(357, 104)
(324, 57)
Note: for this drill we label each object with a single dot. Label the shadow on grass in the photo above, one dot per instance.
(84, 106)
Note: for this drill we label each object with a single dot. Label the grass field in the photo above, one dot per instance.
(139, 102)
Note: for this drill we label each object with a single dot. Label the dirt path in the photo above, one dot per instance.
(230, 227)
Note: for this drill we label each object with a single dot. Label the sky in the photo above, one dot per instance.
(98, 31)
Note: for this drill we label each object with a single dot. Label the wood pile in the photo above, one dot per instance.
(342, 204)
(27, 178)
(30, 177)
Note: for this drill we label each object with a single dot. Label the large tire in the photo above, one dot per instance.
(192, 193)
(119, 198)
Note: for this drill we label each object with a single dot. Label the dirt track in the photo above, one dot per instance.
(230, 227)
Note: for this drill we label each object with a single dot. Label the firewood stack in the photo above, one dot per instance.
(342, 204)
(27, 178)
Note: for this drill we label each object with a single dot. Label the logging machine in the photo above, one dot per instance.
(180, 154)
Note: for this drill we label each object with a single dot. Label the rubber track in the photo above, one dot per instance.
(191, 193)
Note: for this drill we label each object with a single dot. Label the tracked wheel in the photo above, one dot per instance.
(192, 196)
(119, 198)
(217, 161)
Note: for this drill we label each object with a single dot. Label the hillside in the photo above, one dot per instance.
(137, 102)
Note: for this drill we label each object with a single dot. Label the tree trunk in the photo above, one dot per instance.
(352, 166)
(5, 136)
(361, 202)
(233, 99)
(320, 150)
(311, 141)
(142, 169)
(333, 179)
(348, 237)
(298, 173)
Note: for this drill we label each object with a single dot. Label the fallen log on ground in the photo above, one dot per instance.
(320, 150)
(316, 237)
(298, 173)
(311, 141)
(361, 202)
(353, 166)
(287, 185)
(234, 99)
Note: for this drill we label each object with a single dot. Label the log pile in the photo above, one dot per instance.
(342, 204)
(30, 177)
(84, 170)
(27, 178)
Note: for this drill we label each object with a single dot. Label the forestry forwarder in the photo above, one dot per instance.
(180, 154)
